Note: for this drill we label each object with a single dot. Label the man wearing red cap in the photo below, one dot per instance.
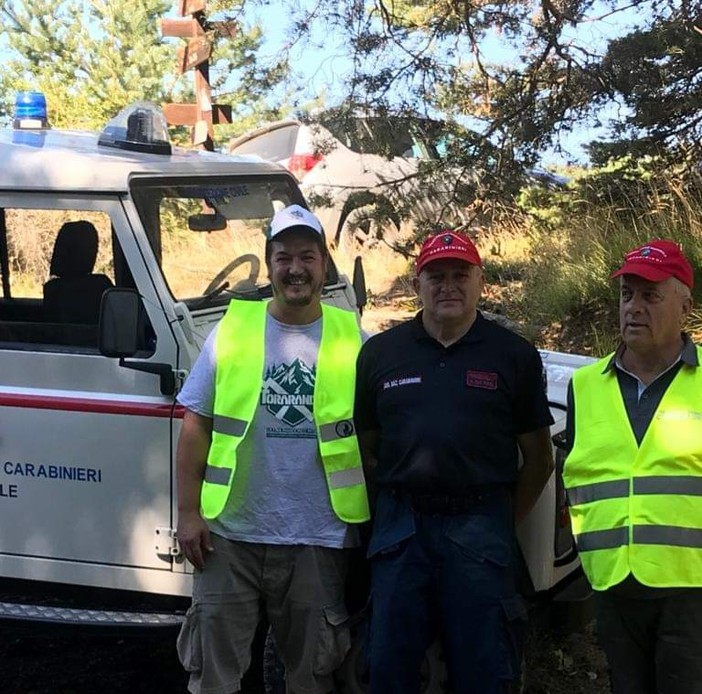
(444, 403)
(634, 480)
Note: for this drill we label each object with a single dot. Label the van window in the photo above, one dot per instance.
(55, 266)
(210, 236)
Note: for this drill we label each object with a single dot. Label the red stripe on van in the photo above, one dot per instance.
(44, 402)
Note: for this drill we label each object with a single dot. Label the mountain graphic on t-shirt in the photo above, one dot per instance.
(294, 377)
(287, 392)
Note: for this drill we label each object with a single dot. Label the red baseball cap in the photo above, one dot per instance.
(447, 244)
(657, 261)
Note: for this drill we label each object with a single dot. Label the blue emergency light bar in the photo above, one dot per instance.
(30, 111)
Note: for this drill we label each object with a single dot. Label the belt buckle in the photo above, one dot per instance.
(430, 504)
(445, 504)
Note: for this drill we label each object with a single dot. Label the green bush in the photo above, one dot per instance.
(581, 232)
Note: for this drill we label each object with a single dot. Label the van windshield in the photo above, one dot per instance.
(209, 234)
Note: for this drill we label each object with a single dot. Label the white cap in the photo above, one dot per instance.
(293, 216)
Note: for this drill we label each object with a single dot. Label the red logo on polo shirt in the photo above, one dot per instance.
(481, 379)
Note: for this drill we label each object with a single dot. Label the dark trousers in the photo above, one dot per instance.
(453, 575)
(653, 646)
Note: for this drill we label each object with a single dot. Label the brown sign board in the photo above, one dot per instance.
(186, 7)
(202, 134)
(185, 27)
(196, 52)
(187, 114)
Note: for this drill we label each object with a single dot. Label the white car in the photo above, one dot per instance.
(360, 173)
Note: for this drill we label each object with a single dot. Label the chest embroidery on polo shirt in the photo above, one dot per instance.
(408, 381)
(481, 379)
(678, 415)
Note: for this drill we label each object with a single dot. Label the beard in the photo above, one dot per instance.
(298, 300)
(312, 294)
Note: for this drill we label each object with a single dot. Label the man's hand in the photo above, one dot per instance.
(368, 442)
(194, 538)
(191, 459)
(537, 468)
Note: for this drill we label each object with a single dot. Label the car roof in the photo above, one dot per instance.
(267, 128)
(35, 160)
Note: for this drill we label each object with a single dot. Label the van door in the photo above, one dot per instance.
(86, 446)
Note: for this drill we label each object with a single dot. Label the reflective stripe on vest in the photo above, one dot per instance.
(637, 509)
(239, 353)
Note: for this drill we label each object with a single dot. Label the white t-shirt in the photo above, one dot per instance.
(279, 494)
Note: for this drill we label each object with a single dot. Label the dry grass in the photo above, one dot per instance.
(382, 266)
(191, 261)
(31, 235)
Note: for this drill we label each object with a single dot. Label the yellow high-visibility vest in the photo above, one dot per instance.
(239, 356)
(637, 509)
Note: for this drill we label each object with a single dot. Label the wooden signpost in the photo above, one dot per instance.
(195, 55)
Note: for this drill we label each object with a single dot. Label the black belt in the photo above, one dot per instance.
(444, 504)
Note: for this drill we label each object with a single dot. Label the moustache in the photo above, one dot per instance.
(293, 279)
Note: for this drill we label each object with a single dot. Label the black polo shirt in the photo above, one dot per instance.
(448, 417)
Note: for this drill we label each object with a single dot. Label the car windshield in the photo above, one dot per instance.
(390, 136)
(209, 235)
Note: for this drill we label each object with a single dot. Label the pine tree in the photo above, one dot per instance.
(94, 57)
(89, 58)
(526, 73)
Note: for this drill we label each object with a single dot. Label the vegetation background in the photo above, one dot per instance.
(520, 75)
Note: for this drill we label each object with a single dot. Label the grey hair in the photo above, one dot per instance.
(680, 288)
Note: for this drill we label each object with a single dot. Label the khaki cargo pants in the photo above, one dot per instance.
(302, 591)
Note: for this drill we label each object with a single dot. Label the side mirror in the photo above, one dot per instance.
(359, 284)
(118, 335)
(118, 329)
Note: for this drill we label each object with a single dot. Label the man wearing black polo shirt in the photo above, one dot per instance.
(634, 480)
(444, 403)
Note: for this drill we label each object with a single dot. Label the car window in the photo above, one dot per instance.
(391, 136)
(56, 264)
(274, 145)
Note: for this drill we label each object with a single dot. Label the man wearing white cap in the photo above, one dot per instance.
(269, 474)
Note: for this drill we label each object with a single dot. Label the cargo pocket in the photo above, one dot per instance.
(334, 639)
(477, 540)
(189, 645)
(513, 637)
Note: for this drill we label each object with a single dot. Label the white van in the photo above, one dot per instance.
(118, 255)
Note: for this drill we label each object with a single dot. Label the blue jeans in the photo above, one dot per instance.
(450, 575)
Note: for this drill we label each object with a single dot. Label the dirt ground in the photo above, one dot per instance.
(37, 661)
(565, 664)
(42, 660)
